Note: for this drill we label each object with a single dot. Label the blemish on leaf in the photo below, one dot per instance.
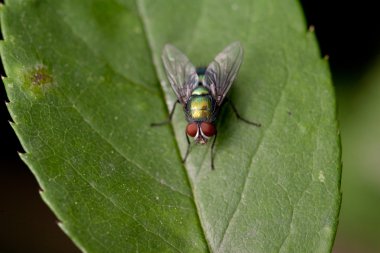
(40, 76)
(38, 79)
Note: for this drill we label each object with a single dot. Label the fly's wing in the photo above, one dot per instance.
(221, 73)
(180, 71)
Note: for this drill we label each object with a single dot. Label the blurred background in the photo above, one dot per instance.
(349, 33)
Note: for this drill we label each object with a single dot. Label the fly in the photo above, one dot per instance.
(202, 91)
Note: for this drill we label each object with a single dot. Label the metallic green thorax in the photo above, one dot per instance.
(200, 106)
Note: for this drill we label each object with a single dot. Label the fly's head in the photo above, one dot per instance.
(200, 131)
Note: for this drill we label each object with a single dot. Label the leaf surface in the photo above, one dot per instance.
(83, 80)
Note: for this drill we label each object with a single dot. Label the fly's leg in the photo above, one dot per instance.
(169, 119)
(238, 115)
(213, 152)
(187, 150)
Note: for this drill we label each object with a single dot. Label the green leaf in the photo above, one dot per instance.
(83, 83)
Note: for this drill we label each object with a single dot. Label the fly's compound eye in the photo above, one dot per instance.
(208, 129)
(192, 129)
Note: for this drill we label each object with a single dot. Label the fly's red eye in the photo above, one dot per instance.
(192, 129)
(208, 129)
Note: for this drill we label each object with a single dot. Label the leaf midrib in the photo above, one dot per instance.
(156, 62)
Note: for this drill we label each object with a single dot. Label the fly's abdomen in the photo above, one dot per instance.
(200, 108)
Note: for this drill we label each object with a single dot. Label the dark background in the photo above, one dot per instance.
(349, 33)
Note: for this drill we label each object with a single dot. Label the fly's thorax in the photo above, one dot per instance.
(200, 105)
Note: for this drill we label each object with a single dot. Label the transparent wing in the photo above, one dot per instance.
(180, 71)
(221, 73)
